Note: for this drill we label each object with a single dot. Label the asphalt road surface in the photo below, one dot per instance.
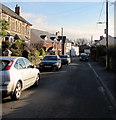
(72, 92)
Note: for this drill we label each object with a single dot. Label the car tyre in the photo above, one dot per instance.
(67, 63)
(37, 80)
(17, 93)
(55, 69)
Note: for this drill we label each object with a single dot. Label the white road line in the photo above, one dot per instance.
(110, 96)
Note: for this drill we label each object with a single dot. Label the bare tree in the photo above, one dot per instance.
(81, 41)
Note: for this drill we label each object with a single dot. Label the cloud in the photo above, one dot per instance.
(53, 0)
(86, 31)
(36, 19)
(40, 22)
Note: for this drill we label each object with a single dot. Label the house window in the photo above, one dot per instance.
(13, 26)
(9, 19)
(6, 38)
(16, 26)
(20, 28)
(26, 29)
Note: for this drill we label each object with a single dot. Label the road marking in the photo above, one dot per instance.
(109, 94)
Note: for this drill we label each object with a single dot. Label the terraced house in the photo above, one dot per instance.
(18, 28)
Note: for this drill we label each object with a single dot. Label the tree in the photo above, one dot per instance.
(42, 52)
(81, 41)
(16, 48)
(4, 26)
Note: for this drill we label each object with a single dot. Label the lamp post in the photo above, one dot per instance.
(106, 32)
(62, 42)
(107, 56)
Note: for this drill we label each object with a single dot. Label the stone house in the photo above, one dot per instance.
(18, 28)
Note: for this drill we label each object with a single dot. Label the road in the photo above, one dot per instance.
(72, 92)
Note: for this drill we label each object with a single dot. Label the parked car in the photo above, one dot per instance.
(17, 74)
(50, 62)
(65, 59)
(83, 57)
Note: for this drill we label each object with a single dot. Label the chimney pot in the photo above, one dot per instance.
(17, 9)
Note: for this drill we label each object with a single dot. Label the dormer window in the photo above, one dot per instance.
(43, 36)
(46, 38)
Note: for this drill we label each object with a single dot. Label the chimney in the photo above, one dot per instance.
(17, 10)
(101, 37)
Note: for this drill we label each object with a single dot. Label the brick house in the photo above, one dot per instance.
(45, 40)
(18, 28)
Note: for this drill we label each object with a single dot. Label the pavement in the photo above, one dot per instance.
(107, 79)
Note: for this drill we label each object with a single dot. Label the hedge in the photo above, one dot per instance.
(98, 53)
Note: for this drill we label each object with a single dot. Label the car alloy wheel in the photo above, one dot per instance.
(17, 93)
(37, 80)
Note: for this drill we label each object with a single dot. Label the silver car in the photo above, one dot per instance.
(65, 59)
(17, 74)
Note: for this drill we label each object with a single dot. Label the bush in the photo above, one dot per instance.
(42, 52)
(98, 53)
(5, 44)
(112, 57)
(16, 48)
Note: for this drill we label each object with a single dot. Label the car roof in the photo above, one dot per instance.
(83, 54)
(51, 55)
(64, 55)
(9, 58)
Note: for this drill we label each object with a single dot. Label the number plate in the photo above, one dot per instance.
(47, 66)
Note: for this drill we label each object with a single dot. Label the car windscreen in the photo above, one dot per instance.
(84, 56)
(50, 58)
(3, 64)
(63, 56)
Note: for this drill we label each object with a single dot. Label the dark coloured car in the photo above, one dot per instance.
(50, 62)
(83, 57)
(65, 59)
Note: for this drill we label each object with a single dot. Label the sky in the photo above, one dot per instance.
(78, 19)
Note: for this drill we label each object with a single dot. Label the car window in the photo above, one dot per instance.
(16, 64)
(50, 58)
(3, 64)
(20, 64)
(28, 63)
(64, 56)
(83, 54)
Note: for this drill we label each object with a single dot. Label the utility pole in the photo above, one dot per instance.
(62, 42)
(107, 56)
(91, 40)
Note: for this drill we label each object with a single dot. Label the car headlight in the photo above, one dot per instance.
(55, 64)
(41, 64)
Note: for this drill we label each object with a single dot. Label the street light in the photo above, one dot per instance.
(107, 56)
(101, 22)
(106, 32)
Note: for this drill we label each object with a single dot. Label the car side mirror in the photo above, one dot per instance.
(32, 66)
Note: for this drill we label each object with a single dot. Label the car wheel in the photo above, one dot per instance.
(55, 69)
(67, 63)
(17, 93)
(37, 80)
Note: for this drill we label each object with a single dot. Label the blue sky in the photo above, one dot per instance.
(79, 19)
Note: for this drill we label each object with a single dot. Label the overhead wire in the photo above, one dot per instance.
(81, 8)
(99, 16)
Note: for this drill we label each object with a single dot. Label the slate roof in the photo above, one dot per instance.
(35, 36)
(11, 13)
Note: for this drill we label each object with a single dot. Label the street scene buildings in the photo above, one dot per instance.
(18, 27)
(75, 78)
